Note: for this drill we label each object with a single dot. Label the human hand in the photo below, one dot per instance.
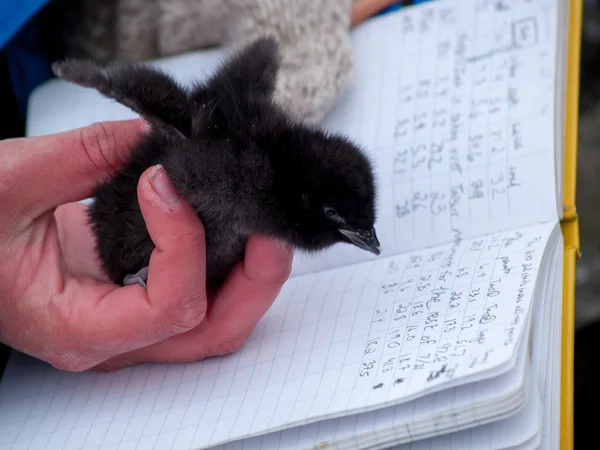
(365, 9)
(56, 303)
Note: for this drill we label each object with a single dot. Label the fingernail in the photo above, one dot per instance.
(162, 185)
(146, 128)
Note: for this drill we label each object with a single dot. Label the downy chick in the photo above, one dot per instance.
(236, 157)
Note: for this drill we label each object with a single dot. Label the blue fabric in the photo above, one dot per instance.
(20, 39)
(398, 5)
(27, 66)
(14, 14)
(389, 9)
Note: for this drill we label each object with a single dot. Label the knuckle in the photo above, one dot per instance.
(193, 237)
(97, 140)
(185, 315)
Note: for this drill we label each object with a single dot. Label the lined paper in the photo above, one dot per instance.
(454, 408)
(455, 100)
(337, 342)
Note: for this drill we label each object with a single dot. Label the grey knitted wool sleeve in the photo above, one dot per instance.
(185, 25)
(317, 58)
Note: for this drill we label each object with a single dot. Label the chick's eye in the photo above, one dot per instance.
(305, 199)
(331, 213)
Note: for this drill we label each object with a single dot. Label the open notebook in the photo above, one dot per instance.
(450, 339)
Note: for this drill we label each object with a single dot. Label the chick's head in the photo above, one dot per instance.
(326, 188)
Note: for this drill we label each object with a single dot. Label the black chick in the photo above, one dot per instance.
(236, 157)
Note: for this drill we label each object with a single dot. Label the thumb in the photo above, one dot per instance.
(44, 172)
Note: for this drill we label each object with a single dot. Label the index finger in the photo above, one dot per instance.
(40, 173)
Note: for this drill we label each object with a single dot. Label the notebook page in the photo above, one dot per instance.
(429, 415)
(464, 406)
(519, 431)
(546, 352)
(560, 109)
(342, 341)
(446, 412)
(552, 387)
(456, 102)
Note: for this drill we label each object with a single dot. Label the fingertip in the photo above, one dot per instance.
(168, 216)
(155, 188)
(268, 260)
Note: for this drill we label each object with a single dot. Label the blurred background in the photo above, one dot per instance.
(587, 295)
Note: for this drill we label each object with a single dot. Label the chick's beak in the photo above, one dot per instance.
(364, 239)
